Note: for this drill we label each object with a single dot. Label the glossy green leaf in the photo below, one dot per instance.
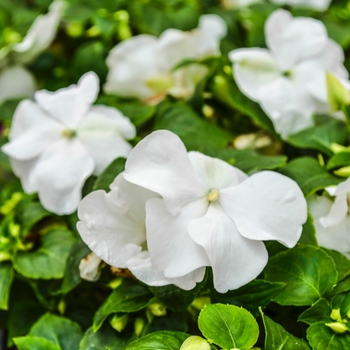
(342, 286)
(309, 274)
(49, 260)
(309, 175)
(109, 174)
(128, 297)
(319, 311)
(308, 235)
(6, 278)
(320, 137)
(35, 343)
(322, 337)
(257, 293)
(59, 330)
(195, 132)
(278, 338)
(228, 326)
(164, 340)
(341, 302)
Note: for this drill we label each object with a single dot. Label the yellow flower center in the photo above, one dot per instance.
(213, 195)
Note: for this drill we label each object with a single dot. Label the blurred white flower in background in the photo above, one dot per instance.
(211, 213)
(332, 219)
(113, 226)
(289, 78)
(15, 79)
(320, 5)
(142, 66)
(60, 139)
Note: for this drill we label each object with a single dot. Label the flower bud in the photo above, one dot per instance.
(139, 326)
(195, 343)
(200, 302)
(337, 327)
(336, 148)
(119, 322)
(61, 307)
(343, 172)
(157, 309)
(335, 315)
(338, 94)
(115, 283)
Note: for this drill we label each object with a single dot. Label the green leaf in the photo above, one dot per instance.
(309, 273)
(343, 286)
(319, 311)
(31, 214)
(341, 262)
(105, 337)
(278, 338)
(59, 330)
(228, 93)
(322, 337)
(109, 174)
(164, 340)
(257, 293)
(339, 160)
(320, 137)
(72, 277)
(6, 278)
(342, 302)
(195, 132)
(34, 343)
(228, 326)
(248, 160)
(308, 235)
(309, 175)
(130, 296)
(49, 260)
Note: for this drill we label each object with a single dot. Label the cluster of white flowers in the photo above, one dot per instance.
(59, 140)
(13, 57)
(332, 218)
(289, 78)
(172, 213)
(142, 66)
(319, 5)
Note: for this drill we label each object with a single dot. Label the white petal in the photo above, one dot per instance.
(16, 82)
(89, 268)
(130, 64)
(266, 206)
(160, 163)
(141, 267)
(172, 250)
(243, 260)
(69, 105)
(336, 237)
(113, 224)
(23, 170)
(103, 132)
(40, 35)
(60, 173)
(215, 172)
(294, 39)
(32, 131)
(254, 70)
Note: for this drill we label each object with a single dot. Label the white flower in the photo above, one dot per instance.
(210, 213)
(332, 219)
(319, 5)
(89, 267)
(113, 226)
(289, 78)
(15, 79)
(59, 140)
(142, 66)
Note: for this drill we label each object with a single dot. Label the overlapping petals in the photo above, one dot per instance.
(142, 66)
(59, 140)
(217, 213)
(289, 78)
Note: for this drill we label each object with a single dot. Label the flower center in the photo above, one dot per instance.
(68, 133)
(213, 195)
(287, 73)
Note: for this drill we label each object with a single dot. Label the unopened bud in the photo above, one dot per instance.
(119, 322)
(74, 29)
(115, 283)
(200, 302)
(337, 327)
(338, 94)
(195, 343)
(336, 148)
(157, 309)
(89, 268)
(139, 326)
(335, 315)
(61, 307)
(208, 111)
(343, 172)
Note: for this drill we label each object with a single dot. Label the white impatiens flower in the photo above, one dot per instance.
(113, 226)
(320, 5)
(15, 79)
(60, 139)
(289, 78)
(332, 219)
(142, 66)
(211, 213)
